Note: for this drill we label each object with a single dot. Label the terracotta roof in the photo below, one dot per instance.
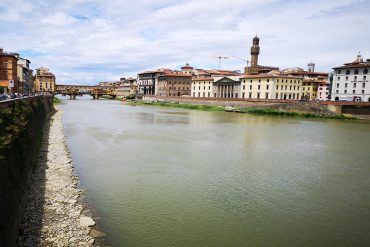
(307, 73)
(270, 76)
(203, 79)
(177, 75)
(354, 65)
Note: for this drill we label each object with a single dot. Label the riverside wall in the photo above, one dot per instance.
(21, 128)
(314, 107)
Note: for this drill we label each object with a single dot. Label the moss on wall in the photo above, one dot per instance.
(21, 128)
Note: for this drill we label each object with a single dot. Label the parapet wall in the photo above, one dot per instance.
(21, 129)
(314, 107)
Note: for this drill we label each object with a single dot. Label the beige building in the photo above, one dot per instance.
(270, 86)
(174, 84)
(44, 80)
(311, 80)
(202, 87)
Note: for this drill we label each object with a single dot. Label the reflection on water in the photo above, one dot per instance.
(162, 176)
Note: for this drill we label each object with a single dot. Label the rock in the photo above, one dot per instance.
(86, 221)
(72, 239)
(97, 234)
(91, 241)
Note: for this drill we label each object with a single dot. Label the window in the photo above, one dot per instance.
(337, 91)
(347, 72)
(355, 78)
(251, 81)
(363, 91)
(363, 85)
(346, 78)
(250, 87)
(364, 77)
(258, 95)
(243, 95)
(345, 91)
(268, 80)
(338, 79)
(209, 88)
(353, 91)
(193, 94)
(267, 87)
(198, 94)
(337, 84)
(199, 88)
(277, 87)
(243, 86)
(354, 85)
(345, 85)
(204, 94)
(259, 87)
(366, 71)
(267, 96)
(250, 95)
(356, 71)
(204, 88)
(276, 96)
(339, 71)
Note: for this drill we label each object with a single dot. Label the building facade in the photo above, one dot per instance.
(226, 87)
(202, 87)
(311, 80)
(8, 72)
(44, 80)
(174, 84)
(351, 81)
(323, 91)
(271, 86)
(25, 76)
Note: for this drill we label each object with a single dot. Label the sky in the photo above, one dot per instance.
(88, 41)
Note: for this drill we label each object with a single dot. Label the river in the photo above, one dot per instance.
(160, 176)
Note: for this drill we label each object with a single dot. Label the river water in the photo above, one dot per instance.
(160, 176)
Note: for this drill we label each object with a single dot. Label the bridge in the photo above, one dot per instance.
(79, 90)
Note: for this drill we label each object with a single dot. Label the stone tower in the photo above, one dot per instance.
(311, 67)
(255, 51)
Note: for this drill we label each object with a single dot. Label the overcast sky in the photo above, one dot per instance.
(87, 41)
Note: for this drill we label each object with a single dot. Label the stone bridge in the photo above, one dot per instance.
(94, 91)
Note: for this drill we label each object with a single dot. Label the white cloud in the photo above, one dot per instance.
(87, 41)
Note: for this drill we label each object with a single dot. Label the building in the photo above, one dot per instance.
(147, 81)
(311, 80)
(25, 76)
(174, 84)
(127, 87)
(44, 80)
(226, 87)
(271, 86)
(8, 72)
(351, 81)
(202, 87)
(323, 91)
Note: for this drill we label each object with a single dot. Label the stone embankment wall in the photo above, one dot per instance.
(21, 128)
(281, 105)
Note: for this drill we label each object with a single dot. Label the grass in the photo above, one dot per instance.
(186, 106)
(270, 111)
(56, 101)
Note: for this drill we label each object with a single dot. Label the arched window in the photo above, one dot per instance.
(366, 71)
(347, 72)
(356, 71)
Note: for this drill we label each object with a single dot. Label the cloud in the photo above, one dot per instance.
(89, 41)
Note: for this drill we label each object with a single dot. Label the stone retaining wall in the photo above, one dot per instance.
(21, 128)
(282, 105)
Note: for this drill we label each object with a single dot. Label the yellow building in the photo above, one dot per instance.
(271, 86)
(311, 80)
(45, 80)
(202, 87)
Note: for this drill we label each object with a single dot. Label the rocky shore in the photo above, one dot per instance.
(54, 209)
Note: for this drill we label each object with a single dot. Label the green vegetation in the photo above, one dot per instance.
(270, 111)
(187, 106)
(56, 101)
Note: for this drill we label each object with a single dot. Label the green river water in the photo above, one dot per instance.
(160, 176)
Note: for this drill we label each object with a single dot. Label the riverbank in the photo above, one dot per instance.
(256, 111)
(54, 207)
